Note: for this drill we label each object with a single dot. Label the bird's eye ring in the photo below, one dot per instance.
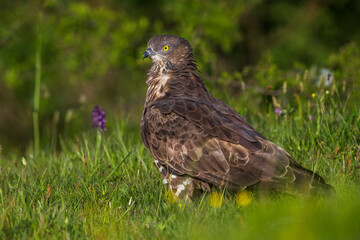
(166, 47)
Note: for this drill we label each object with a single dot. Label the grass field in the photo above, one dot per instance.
(104, 186)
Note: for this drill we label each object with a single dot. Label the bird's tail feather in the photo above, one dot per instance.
(298, 180)
(308, 181)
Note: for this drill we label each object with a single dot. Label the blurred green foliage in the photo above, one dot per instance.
(92, 56)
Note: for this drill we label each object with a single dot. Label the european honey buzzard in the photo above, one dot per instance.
(198, 142)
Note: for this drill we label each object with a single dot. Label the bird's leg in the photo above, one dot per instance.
(181, 187)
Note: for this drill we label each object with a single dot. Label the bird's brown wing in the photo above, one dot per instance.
(193, 138)
(216, 119)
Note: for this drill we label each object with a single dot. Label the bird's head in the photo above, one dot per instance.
(169, 51)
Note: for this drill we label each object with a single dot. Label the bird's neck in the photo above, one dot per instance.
(167, 80)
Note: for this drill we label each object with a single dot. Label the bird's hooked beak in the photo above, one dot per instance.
(148, 53)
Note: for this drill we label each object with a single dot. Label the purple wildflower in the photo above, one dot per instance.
(278, 111)
(99, 119)
(310, 117)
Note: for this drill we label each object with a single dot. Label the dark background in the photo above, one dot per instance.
(91, 55)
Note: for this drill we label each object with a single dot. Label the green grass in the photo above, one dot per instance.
(104, 186)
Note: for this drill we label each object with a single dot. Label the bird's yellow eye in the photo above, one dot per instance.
(166, 47)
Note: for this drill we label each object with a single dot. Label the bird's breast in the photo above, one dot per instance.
(157, 89)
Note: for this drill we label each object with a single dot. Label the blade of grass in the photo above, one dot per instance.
(37, 88)
(113, 171)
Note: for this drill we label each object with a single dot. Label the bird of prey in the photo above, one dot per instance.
(197, 141)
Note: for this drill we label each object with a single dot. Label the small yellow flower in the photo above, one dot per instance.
(313, 95)
(244, 198)
(327, 92)
(182, 206)
(216, 199)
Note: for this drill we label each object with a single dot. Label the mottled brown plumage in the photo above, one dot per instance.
(198, 141)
